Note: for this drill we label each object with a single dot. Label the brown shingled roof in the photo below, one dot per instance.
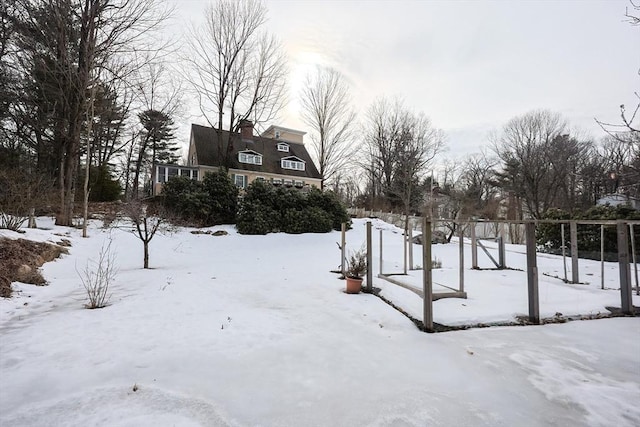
(205, 140)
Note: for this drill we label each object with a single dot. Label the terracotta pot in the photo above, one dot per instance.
(354, 285)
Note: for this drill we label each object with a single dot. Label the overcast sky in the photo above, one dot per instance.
(468, 65)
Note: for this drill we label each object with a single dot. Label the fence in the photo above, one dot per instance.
(484, 229)
(626, 258)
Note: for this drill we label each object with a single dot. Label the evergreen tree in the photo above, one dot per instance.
(156, 143)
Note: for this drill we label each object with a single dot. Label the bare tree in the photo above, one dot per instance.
(147, 220)
(401, 145)
(235, 68)
(535, 150)
(327, 111)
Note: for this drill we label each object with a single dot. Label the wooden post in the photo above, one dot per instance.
(623, 266)
(501, 249)
(343, 250)
(369, 259)
(32, 218)
(410, 248)
(564, 252)
(501, 252)
(633, 256)
(380, 267)
(573, 229)
(404, 249)
(532, 274)
(474, 247)
(461, 250)
(602, 256)
(427, 285)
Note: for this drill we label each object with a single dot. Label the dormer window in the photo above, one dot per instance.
(283, 147)
(292, 163)
(250, 157)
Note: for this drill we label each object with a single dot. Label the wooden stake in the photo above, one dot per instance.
(532, 274)
(623, 266)
(427, 285)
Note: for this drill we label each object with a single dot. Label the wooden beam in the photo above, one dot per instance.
(427, 284)
(573, 230)
(623, 266)
(532, 274)
(369, 259)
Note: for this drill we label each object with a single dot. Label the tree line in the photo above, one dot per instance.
(89, 98)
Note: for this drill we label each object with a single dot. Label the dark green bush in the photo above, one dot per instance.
(223, 197)
(266, 209)
(210, 202)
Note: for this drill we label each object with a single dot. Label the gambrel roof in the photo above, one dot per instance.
(205, 142)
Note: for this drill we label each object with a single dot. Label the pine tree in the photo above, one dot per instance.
(156, 142)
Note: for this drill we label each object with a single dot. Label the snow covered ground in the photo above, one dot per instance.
(256, 331)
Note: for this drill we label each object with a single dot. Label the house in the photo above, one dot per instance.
(277, 156)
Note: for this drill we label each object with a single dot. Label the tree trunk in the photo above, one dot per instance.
(146, 254)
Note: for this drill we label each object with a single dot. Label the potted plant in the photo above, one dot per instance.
(356, 269)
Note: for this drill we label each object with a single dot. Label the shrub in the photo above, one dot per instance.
(186, 199)
(256, 218)
(266, 209)
(21, 193)
(98, 276)
(210, 202)
(223, 197)
(329, 202)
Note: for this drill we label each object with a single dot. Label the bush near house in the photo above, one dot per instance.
(210, 202)
(267, 209)
(549, 236)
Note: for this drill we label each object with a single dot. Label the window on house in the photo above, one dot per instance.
(288, 182)
(276, 181)
(292, 164)
(160, 171)
(250, 158)
(172, 172)
(194, 174)
(299, 184)
(240, 181)
(185, 172)
(283, 147)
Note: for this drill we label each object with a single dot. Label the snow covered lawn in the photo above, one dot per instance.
(255, 330)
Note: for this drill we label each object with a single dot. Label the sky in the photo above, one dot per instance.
(468, 65)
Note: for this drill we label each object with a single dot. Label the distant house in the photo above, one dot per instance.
(617, 199)
(277, 156)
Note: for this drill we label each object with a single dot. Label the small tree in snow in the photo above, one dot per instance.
(147, 220)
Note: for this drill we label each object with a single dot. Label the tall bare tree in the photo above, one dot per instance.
(402, 144)
(540, 161)
(236, 68)
(326, 109)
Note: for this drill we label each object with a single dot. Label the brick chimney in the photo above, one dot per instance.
(246, 129)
